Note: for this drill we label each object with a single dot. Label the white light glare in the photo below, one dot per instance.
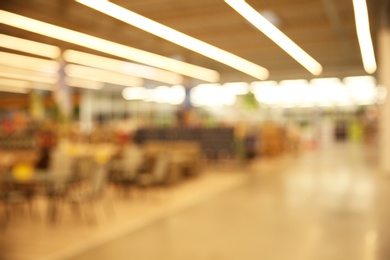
(174, 95)
(135, 93)
(276, 35)
(362, 89)
(294, 92)
(331, 90)
(238, 88)
(266, 92)
(177, 37)
(212, 95)
(364, 35)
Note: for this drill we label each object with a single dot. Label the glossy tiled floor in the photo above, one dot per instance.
(329, 204)
(325, 205)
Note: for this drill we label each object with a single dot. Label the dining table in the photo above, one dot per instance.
(23, 183)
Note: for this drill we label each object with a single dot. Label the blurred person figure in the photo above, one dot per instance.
(250, 145)
(46, 140)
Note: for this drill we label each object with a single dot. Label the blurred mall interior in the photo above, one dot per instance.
(207, 129)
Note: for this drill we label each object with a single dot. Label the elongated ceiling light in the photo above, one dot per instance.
(84, 83)
(177, 37)
(124, 67)
(14, 83)
(25, 62)
(77, 71)
(37, 48)
(13, 90)
(28, 77)
(276, 35)
(106, 46)
(364, 35)
(11, 69)
(17, 83)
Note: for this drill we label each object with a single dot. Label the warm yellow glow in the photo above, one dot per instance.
(109, 47)
(33, 78)
(37, 48)
(4, 88)
(77, 71)
(15, 83)
(364, 35)
(124, 67)
(14, 70)
(276, 35)
(23, 85)
(84, 83)
(25, 62)
(381, 94)
(177, 37)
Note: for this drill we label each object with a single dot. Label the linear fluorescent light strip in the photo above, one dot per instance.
(276, 35)
(37, 79)
(84, 83)
(30, 63)
(364, 35)
(10, 69)
(109, 47)
(177, 37)
(88, 73)
(5, 88)
(37, 48)
(15, 83)
(124, 67)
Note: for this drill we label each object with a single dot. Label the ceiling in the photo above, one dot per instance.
(323, 28)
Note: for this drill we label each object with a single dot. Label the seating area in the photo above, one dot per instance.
(101, 205)
(79, 174)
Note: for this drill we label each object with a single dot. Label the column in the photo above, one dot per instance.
(86, 113)
(384, 80)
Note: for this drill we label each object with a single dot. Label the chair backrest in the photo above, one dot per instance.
(132, 161)
(61, 165)
(161, 167)
(98, 180)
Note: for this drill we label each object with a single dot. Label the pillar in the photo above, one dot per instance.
(384, 80)
(86, 112)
